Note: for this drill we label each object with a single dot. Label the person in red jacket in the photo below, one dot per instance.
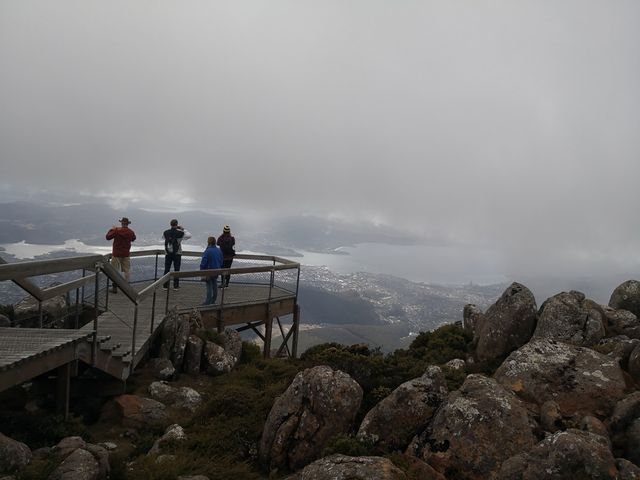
(122, 237)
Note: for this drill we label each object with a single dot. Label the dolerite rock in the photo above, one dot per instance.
(168, 334)
(319, 404)
(80, 465)
(4, 321)
(162, 391)
(626, 296)
(342, 467)
(134, 411)
(456, 364)
(182, 334)
(564, 455)
(187, 398)
(621, 322)
(173, 433)
(193, 354)
(233, 345)
(475, 430)
(627, 470)
(14, 455)
(550, 416)
(395, 420)
(571, 318)
(216, 360)
(507, 324)
(162, 368)
(620, 347)
(579, 379)
(471, 315)
(54, 311)
(634, 364)
(622, 425)
(593, 425)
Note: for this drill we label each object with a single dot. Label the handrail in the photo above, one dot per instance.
(19, 273)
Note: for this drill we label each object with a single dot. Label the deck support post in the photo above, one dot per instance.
(153, 310)
(296, 329)
(133, 337)
(96, 313)
(40, 312)
(62, 389)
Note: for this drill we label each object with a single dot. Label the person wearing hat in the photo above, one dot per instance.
(173, 238)
(226, 242)
(122, 237)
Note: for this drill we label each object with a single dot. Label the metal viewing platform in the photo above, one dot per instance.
(263, 289)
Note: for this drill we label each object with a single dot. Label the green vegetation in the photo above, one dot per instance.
(40, 429)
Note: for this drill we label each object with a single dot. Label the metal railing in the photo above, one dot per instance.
(95, 271)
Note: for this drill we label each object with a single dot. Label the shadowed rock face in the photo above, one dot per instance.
(342, 467)
(475, 430)
(319, 404)
(626, 296)
(507, 324)
(578, 379)
(565, 455)
(395, 420)
(571, 318)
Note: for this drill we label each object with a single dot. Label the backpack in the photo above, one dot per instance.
(171, 244)
(226, 245)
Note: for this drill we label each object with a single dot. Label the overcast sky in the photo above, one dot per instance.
(512, 124)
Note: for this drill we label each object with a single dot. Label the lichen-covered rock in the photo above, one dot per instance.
(564, 455)
(471, 315)
(193, 354)
(162, 368)
(216, 360)
(14, 455)
(80, 465)
(182, 334)
(579, 379)
(319, 404)
(162, 391)
(627, 470)
(134, 411)
(173, 433)
(626, 296)
(507, 324)
(571, 318)
(342, 467)
(396, 419)
(619, 347)
(233, 345)
(187, 398)
(475, 430)
(621, 322)
(167, 337)
(456, 364)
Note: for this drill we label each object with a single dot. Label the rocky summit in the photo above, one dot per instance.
(513, 392)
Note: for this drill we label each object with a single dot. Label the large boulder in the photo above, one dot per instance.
(571, 318)
(342, 467)
(167, 337)
(623, 425)
(621, 322)
(619, 347)
(193, 354)
(173, 433)
(507, 324)
(233, 345)
(395, 420)
(134, 411)
(162, 368)
(81, 460)
(578, 379)
(215, 359)
(475, 430)
(319, 404)
(471, 316)
(563, 456)
(627, 470)
(634, 364)
(183, 330)
(626, 296)
(14, 455)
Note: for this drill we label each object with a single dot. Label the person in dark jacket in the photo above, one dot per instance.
(226, 242)
(211, 259)
(173, 238)
(122, 237)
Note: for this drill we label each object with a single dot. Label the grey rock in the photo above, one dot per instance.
(475, 430)
(193, 354)
(627, 470)
(621, 322)
(233, 345)
(319, 404)
(571, 318)
(182, 334)
(102, 457)
(68, 445)
(395, 420)
(173, 433)
(342, 467)
(187, 398)
(626, 296)
(162, 368)
(167, 337)
(620, 348)
(507, 324)
(14, 455)
(216, 360)
(162, 391)
(79, 465)
(634, 364)
(564, 455)
(471, 316)
(456, 364)
(579, 379)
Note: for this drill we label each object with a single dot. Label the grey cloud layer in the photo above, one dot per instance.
(511, 124)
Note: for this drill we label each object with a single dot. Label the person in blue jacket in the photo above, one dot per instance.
(211, 259)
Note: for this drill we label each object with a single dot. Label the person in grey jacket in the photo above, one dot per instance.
(173, 238)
